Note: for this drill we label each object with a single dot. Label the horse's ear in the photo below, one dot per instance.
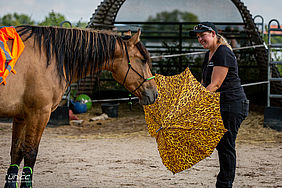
(135, 38)
(128, 33)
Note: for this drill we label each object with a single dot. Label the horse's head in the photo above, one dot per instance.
(132, 69)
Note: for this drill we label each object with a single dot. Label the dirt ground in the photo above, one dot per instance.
(118, 152)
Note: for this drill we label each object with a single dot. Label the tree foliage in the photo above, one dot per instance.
(174, 16)
(53, 19)
(15, 19)
(81, 24)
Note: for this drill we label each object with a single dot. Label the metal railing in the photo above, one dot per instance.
(260, 24)
(162, 38)
(271, 62)
(153, 38)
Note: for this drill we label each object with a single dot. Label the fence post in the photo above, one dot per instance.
(180, 46)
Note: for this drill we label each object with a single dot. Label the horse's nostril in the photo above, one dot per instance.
(149, 97)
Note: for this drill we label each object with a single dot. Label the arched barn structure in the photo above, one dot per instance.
(231, 17)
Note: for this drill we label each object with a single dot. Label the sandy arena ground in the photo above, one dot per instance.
(119, 152)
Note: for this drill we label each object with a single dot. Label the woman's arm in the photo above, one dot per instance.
(218, 75)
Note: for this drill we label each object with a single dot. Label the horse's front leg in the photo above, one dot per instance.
(36, 121)
(18, 138)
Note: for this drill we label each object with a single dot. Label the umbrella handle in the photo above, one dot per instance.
(159, 129)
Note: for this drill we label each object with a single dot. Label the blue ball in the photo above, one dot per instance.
(79, 107)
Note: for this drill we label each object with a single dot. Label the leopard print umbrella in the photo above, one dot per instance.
(185, 120)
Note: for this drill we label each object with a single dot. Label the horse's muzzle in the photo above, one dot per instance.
(148, 97)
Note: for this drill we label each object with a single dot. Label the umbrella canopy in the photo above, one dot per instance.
(185, 120)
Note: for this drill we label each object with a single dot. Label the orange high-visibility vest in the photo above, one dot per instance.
(9, 58)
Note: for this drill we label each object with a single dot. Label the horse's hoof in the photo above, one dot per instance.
(26, 179)
(11, 177)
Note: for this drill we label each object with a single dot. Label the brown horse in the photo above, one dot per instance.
(54, 58)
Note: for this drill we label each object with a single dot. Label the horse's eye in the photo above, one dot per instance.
(143, 60)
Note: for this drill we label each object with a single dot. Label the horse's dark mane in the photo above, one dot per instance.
(74, 49)
(145, 53)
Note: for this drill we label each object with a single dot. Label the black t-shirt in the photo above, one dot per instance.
(231, 88)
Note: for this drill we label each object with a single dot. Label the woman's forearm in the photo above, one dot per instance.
(218, 75)
(213, 87)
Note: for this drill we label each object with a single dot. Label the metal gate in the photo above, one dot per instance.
(273, 115)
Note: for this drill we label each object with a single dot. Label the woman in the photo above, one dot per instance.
(220, 74)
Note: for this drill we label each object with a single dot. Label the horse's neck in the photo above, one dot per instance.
(96, 72)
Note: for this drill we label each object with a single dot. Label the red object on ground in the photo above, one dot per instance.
(72, 116)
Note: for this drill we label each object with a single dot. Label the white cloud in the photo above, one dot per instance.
(268, 9)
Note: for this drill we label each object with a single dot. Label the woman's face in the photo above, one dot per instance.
(206, 39)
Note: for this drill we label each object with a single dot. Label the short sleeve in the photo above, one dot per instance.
(224, 57)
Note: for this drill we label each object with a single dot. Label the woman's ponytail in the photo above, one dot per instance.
(222, 41)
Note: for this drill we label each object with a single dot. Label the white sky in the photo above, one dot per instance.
(75, 10)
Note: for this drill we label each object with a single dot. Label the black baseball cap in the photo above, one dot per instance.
(202, 27)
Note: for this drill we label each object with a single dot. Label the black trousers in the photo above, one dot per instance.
(232, 115)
